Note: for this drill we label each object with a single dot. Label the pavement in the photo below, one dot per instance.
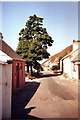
(51, 96)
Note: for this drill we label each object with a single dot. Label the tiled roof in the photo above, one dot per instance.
(55, 58)
(71, 54)
(74, 56)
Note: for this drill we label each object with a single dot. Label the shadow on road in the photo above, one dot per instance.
(49, 75)
(61, 91)
(21, 98)
(24, 114)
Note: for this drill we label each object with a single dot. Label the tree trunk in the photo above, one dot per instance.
(31, 70)
(27, 68)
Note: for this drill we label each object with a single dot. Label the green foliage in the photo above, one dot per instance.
(55, 67)
(37, 66)
(34, 41)
(65, 75)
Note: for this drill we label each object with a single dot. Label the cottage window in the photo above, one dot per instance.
(17, 67)
(20, 67)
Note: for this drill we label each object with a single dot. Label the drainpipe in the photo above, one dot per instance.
(62, 66)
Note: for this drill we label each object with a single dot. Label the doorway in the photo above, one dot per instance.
(17, 75)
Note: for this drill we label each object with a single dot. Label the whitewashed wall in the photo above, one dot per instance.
(76, 45)
(4, 57)
(6, 86)
(67, 67)
(75, 72)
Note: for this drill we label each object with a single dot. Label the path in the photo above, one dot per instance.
(52, 97)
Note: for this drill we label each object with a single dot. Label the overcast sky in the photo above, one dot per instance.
(60, 20)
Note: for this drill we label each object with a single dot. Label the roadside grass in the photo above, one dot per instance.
(65, 75)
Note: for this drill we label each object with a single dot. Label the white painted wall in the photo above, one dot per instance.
(76, 45)
(4, 57)
(75, 72)
(67, 67)
(6, 86)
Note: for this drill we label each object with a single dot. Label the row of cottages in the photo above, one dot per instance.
(12, 77)
(70, 64)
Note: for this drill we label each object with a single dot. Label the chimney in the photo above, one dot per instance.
(73, 41)
(1, 37)
(76, 44)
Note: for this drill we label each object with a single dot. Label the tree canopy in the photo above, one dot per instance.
(34, 41)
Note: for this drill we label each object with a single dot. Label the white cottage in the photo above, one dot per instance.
(71, 62)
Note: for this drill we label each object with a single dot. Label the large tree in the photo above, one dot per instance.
(33, 42)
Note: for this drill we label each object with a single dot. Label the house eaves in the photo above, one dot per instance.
(70, 55)
(4, 47)
(77, 58)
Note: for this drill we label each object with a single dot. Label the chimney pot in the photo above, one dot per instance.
(1, 36)
(73, 41)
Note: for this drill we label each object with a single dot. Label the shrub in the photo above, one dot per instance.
(65, 75)
(55, 67)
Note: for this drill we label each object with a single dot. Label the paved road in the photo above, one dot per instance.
(54, 97)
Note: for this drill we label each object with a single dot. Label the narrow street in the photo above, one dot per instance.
(48, 97)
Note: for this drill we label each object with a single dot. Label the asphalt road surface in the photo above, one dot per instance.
(48, 97)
